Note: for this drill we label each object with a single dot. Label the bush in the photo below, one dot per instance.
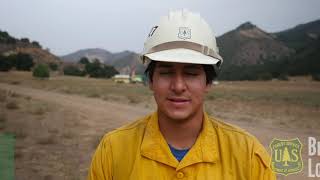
(5, 63)
(73, 71)
(41, 71)
(98, 70)
(25, 40)
(36, 44)
(23, 62)
(283, 77)
(84, 61)
(265, 76)
(53, 66)
(316, 77)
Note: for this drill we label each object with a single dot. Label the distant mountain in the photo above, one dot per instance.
(250, 53)
(301, 35)
(124, 61)
(96, 53)
(249, 45)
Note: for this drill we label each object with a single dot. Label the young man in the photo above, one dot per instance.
(179, 140)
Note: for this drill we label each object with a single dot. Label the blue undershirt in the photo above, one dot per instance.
(177, 153)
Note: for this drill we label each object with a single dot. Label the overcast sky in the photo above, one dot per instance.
(65, 26)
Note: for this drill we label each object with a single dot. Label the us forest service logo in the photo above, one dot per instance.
(184, 33)
(286, 156)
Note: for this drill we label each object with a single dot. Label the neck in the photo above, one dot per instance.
(181, 134)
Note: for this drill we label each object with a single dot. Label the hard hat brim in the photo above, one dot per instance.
(182, 55)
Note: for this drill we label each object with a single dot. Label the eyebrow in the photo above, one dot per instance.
(164, 65)
(193, 66)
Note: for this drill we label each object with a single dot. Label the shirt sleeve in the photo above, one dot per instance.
(101, 164)
(261, 169)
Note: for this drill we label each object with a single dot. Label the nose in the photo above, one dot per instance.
(178, 84)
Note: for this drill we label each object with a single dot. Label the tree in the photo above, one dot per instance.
(110, 71)
(94, 69)
(53, 66)
(5, 63)
(73, 71)
(265, 76)
(316, 77)
(24, 62)
(36, 44)
(25, 40)
(41, 71)
(84, 61)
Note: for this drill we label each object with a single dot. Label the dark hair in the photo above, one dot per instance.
(208, 69)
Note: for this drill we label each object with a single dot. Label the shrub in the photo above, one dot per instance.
(5, 63)
(73, 71)
(316, 77)
(41, 71)
(283, 77)
(98, 70)
(53, 66)
(23, 62)
(25, 40)
(265, 76)
(36, 44)
(84, 61)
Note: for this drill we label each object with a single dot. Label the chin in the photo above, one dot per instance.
(177, 115)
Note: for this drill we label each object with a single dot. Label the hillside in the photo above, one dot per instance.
(123, 61)
(94, 53)
(249, 53)
(249, 45)
(11, 45)
(301, 35)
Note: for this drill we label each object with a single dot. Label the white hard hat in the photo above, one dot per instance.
(182, 37)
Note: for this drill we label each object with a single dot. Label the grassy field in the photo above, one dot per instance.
(299, 91)
(49, 132)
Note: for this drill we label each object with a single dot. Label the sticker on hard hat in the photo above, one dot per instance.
(152, 31)
(184, 33)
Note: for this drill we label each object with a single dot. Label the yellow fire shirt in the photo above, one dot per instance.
(139, 152)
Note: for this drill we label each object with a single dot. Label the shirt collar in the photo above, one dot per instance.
(155, 147)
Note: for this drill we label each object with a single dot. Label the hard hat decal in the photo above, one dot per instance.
(152, 31)
(184, 33)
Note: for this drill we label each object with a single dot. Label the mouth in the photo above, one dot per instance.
(178, 101)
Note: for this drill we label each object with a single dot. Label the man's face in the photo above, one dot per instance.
(179, 89)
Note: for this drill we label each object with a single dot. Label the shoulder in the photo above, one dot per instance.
(241, 140)
(230, 129)
(125, 132)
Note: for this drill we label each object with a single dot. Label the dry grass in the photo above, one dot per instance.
(3, 95)
(47, 140)
(3, 117)
(68, 135)
(287, 104)
(12, 104)
(15, 82)
(133, 99)
(38, 108)
(20, 133)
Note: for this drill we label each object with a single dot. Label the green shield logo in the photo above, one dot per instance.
(286, 156)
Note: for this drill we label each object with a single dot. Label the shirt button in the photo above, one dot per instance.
(180, 175)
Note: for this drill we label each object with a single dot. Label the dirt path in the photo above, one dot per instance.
(98, 116)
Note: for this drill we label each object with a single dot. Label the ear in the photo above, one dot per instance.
(208, 87)
(150, 85)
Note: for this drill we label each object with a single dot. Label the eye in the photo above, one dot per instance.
(165, 72)
(192, 73)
